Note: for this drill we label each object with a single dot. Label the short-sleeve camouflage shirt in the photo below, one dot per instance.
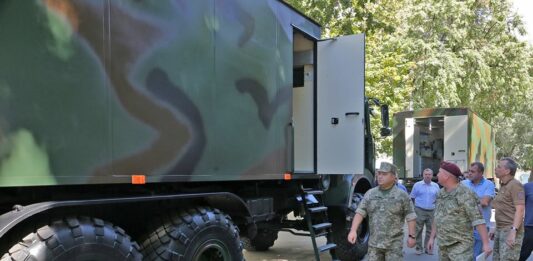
(456, 212)
(386, 211)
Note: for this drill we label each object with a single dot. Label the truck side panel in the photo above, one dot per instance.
(398, 141)
(482, 145)
(96, 91)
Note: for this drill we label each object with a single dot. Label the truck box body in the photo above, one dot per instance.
(96, 91)
(226, 115)
(423, 138)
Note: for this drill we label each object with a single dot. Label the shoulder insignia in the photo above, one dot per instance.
(521, 195)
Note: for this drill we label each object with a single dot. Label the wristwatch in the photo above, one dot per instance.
(514, 228)
(411, 236)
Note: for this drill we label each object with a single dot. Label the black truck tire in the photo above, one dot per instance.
(264, 239)
(73, 238)
(345, 250)
(197, 234)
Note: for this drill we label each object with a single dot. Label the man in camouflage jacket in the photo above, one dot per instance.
(386, 207)
(457, 210)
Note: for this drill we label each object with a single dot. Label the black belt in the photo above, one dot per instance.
(425, 209)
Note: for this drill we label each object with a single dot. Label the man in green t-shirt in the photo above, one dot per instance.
(509, 206)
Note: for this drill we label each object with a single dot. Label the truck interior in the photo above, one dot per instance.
(303, 104)
(427, 138)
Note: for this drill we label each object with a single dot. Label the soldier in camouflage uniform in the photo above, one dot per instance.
(456, 212)
(386, 207)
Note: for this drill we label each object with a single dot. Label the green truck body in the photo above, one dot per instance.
(423, 138)
(196, 110)
(94, 92)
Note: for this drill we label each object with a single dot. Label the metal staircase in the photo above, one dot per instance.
(316, 216)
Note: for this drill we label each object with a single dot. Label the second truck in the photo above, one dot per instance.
(423, 138)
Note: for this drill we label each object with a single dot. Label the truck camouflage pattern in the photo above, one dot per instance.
(423, 138)
(215, 116)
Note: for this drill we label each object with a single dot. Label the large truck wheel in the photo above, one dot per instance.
(264, 239)
(197, 234)
(80, 239)
(345, 250)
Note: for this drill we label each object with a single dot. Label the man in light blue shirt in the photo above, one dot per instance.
(401, 186)
(484, 189)
(424, 194)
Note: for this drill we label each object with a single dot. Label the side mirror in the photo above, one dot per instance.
(385, 115)
(385, 130)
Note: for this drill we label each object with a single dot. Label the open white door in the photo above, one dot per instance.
(455, 140)
(410, 148)
(340, 105)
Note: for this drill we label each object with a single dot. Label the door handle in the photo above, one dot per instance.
(351, 113)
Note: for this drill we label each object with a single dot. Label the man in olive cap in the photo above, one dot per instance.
(386, 207)
(456, 212)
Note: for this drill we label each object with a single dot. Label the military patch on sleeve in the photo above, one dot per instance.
(521, 195)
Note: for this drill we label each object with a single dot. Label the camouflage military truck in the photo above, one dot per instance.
(175, 130)
(423, 138)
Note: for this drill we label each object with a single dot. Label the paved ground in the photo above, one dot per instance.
(288, 248)
(294, 248)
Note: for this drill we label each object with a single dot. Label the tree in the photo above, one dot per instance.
(467, 54)
(515, 134)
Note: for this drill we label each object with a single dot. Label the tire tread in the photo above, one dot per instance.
(61, 235)
(175, 231)
(264, 239)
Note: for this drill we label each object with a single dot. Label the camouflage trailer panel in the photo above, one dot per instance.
(398, 141)
(482, 145)
(93, 91)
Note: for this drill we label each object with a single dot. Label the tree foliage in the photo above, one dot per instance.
(442, 53)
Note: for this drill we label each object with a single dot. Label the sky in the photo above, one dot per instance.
(525, 9)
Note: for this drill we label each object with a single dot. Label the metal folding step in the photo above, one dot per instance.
(314, 192)
(327, 247)
(321, 226)
(318, 209)
(315, 211)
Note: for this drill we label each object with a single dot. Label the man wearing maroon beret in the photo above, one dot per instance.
(456, 212)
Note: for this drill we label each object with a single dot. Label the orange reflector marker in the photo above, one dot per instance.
(287, 176)
(138, 179)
